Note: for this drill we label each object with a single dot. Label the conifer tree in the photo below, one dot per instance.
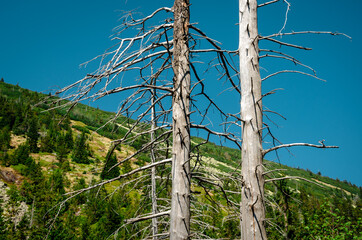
(61, 148)
(5, 159)
(21, 154)
(58, 181)
(5, 137)
(68, 139)
(81, 152)
(46, 144)
(33, 135)
(110, 162)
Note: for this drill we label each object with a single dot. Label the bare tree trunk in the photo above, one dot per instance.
(180, 202)
(252, 206)
(153, 159)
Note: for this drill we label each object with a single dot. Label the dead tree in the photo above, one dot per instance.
(151, 69)
(137, 67)
(153, 160)
(251, 114)
(252, 192)
(181, 177)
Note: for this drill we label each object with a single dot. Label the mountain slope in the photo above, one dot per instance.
(42, 176)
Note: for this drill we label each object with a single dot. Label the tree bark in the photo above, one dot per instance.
(252, 205)
(153, 160)
(180, 200)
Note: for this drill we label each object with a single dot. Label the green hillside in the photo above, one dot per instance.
(43, 158)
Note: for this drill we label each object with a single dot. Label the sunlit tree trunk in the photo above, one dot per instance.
(252, 206)
(153, 159)
(180, 202)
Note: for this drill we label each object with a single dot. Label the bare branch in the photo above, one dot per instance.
(119, 177)
(296, 144)
(213, 50)
(293, 60)
(267, 3)
(223, 59)
(292, 71)
(271, 92)
(140, 150)
(270, 111)
(274, 170)
(286, 15)
(143, 20)
(134, 220)
(228, 136)
(283, 43)
(309, 32)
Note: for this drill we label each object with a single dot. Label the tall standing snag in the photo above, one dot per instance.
(251, 114)
(252, 205)
(180, 202)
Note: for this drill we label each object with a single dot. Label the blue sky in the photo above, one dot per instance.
(43, 42)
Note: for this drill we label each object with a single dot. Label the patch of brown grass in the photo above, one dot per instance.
(16, 140)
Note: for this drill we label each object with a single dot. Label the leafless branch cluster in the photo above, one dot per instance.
(139, 70)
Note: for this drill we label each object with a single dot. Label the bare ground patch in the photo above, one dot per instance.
(16, 140)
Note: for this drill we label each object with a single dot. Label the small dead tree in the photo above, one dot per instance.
(153, 160)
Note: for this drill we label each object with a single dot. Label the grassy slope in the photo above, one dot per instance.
(218, 158)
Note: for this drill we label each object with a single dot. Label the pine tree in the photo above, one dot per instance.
(20, 155)
(58, 181)
(7, 114)
(81, 150)
(18, 126)
(33, 135)
(110, 162)
(66, 123)
(48, 142)
(61, 147)
(5, 159)
(5, 137)
(68, 138)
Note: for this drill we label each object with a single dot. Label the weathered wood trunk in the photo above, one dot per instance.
(180, 202)
(153, 169)
(252, 205)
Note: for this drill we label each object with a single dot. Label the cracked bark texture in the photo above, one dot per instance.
(180, 200)
(252, 205)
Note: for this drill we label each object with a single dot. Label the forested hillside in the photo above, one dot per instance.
(45, 155)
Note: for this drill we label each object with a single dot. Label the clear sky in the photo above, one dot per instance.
(42, 43)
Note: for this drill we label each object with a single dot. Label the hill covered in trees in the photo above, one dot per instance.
(46, 154)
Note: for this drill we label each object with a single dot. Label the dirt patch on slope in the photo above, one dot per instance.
(10, 175)
(16, 141)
